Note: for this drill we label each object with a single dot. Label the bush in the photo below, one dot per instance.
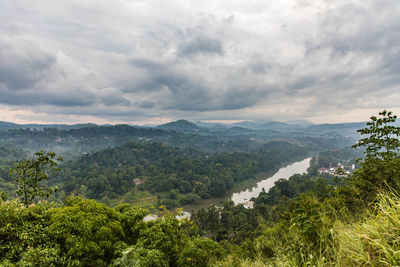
(199, 251)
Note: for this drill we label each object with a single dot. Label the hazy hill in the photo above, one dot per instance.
(180, 126)
(73, 140)
(9, 125)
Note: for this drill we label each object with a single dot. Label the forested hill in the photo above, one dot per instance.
(70, 143)
(79, 139)
(180, 126)
(179, 176)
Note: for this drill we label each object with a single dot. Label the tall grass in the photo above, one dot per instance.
(376, 240)
(372, 241)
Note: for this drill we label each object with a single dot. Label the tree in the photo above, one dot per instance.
(30, 172)
(382, 139)
(380, 169)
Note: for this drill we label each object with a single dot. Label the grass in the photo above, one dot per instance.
(376, 241)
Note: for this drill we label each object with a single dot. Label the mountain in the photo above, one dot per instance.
(180, 126)
(7, 125)
(72, 140)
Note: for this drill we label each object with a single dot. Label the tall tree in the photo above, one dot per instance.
(31, 172)
(382, 137)
(380, 169)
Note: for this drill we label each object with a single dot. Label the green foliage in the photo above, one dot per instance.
(3, 196)
(139, 256)
(180, 175)
(31, 172)
(88, 231)
(380, 169)
(382, 141)
(10, 155)
(199, 251)
(164, 235)
(44, 256)
(7, 158)
(285, 189)
(226, 222)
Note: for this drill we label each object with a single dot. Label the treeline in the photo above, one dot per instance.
(180, 176)
(70, 142)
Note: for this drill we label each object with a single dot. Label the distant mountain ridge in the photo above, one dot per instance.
(4, 125)
(7, 125)
(180, 125)
(183, 125)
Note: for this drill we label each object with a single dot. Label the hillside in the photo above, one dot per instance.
(180, 126)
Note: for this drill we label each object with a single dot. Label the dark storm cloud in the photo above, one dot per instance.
(201, 45)
(244, 97)
(22, 64)
(38, 98)
(183, 92)
(188, 93)
(31, 76)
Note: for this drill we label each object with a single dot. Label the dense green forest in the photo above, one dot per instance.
(113, 175)
(8, 157)
(307, 220)
(179, 176)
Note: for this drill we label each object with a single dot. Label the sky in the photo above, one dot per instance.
(155, 61)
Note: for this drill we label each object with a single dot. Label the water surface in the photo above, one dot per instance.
(243, 194)
(242, 197)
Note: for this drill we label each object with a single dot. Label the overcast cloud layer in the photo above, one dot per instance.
(154, 61)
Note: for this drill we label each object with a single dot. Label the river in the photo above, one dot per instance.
(243, 194)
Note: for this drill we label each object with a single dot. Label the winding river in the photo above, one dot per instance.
(243, 194)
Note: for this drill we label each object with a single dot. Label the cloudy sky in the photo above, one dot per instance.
(154, 61)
